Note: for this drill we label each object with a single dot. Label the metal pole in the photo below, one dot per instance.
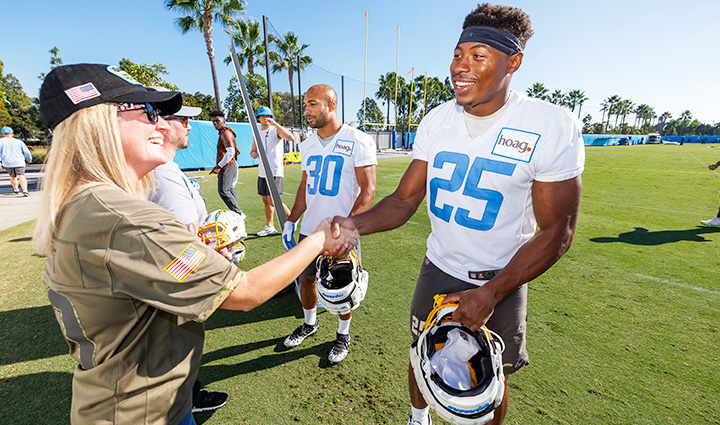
(365, 72)
(342, 91)
(275, 195)
(267, 62)
(300, 103)
(387, 119)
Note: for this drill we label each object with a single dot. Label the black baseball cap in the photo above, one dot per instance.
(70, 88)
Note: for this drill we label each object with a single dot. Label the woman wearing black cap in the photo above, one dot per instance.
(129, 285)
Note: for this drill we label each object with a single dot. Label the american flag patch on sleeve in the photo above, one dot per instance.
(184, 263)
(84, 92)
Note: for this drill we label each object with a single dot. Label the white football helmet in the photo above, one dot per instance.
(341, 284)
(221, 228)
(465, 384)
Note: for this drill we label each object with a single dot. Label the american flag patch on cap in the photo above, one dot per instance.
(184, 263)
(84, 92)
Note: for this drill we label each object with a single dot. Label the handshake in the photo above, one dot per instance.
(341, 229)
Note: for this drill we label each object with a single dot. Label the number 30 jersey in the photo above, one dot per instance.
(479, 190)
(332, 185)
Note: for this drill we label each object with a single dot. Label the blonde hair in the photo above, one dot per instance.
(86, 151)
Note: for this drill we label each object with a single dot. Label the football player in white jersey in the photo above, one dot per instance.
(501, 175)
(338, 178)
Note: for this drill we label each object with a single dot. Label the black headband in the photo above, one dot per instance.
(493, 37)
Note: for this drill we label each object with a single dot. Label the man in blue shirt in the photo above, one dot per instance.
(13, 156)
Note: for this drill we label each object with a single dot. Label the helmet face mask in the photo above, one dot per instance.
(467, 401)
(221, 228)
(341, 284)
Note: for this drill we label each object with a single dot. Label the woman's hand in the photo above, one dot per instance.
(346, 238)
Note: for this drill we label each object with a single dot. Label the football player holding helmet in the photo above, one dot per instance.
(459, 372)
(222, 228)
(341, 283)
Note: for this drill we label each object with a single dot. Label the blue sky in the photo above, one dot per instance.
(662, 53)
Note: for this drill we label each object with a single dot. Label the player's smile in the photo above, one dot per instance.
(461, 86)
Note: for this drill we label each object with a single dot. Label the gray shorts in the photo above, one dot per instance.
(509, 319)
(15, 171)
(263, 188)
(311, 269)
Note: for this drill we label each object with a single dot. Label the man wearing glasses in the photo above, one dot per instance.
(175, 192)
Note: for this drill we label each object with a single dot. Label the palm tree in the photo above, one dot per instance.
(557, 98)
(625, 108)
(55, 60)
(644, 113)
(612, 107)
(287, 58)
(685, 116)
(576, 98)
(665, 117)
(249, 42)
(537, 91)
(386, 90)
(605, 108)
(201, 14)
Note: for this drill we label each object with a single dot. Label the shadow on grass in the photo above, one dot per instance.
(282, 355)
(27, 239)
(33, 333)
(642, 236)
(30, 334)
(37, 398)
(284, 305)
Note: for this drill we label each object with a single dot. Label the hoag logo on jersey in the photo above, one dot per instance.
(515, 144)
(344, 147)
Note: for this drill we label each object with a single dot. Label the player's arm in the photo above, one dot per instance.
(397, 208)
(366, 177)
(556, 208)
(254, 150)
(282, 132)
(392, 211)
(227, 141)
(193, 227)
(299, 206)
(259, 284)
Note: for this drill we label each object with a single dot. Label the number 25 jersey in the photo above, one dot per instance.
(479, 190)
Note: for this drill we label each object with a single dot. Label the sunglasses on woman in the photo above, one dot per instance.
(152, 113)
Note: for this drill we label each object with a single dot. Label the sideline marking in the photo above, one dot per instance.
(682, 285)
(644, 208)
(704, 164)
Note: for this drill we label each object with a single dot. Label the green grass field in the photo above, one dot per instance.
(623, 330)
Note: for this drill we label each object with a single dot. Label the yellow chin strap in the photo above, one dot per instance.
(333, 261)
(437, 306)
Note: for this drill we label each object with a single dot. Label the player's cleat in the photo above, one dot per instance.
(713, 222)
(267, 231)
(303, 331)
(17, 192)
(205, 401)
(412, 422)
(26, 194)
(340, 348)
